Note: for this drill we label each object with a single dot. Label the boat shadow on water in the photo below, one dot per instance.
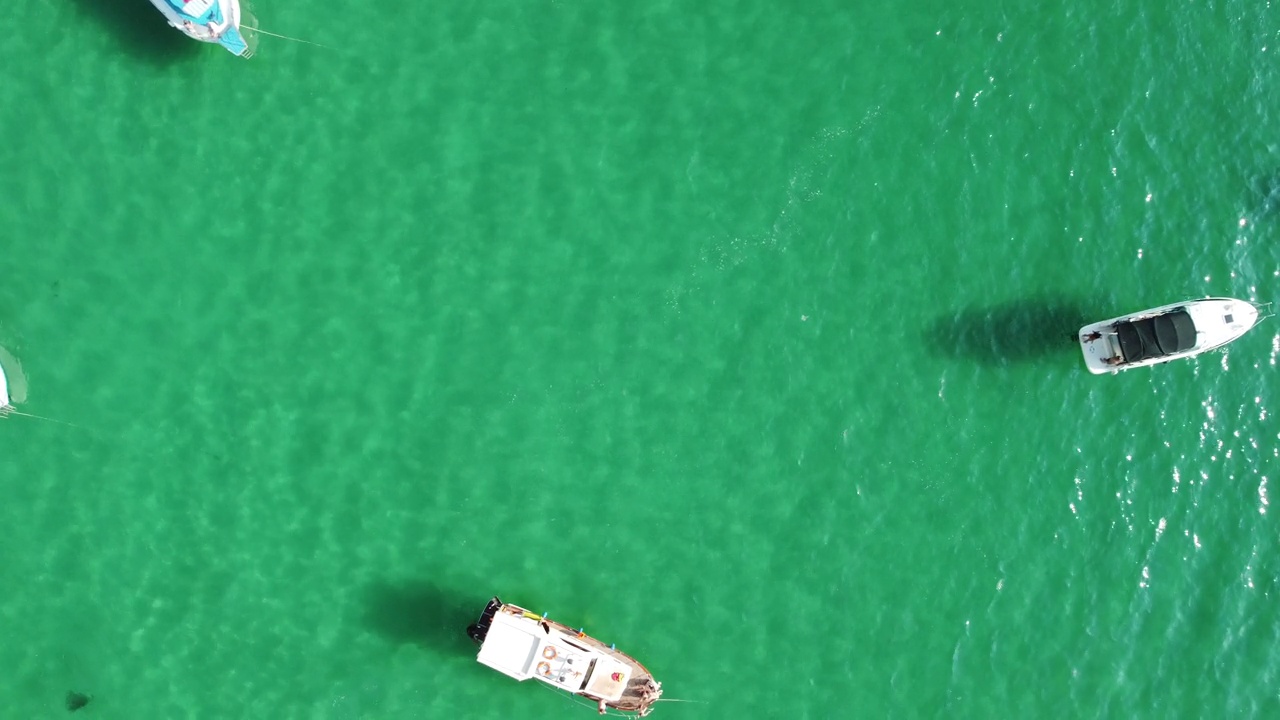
(1011, 332)
(140, 28)
(421, 613)
(1263, 199)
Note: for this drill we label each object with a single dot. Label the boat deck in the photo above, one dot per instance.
(642, 689)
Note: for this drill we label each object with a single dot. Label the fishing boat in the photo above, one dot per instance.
(211, 21)
(523, 645)
(1166, 333)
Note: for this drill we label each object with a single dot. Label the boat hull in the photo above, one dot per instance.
(211, 21)
(1166, 333)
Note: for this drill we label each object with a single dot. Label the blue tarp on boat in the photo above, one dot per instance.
(205, 20)
(200, 12)
(233, 41)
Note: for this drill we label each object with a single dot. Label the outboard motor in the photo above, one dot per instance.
(480, 628)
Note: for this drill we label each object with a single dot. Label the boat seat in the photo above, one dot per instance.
(1175, 331)
(1130, 343)
(1147, 331)
(1138, 340)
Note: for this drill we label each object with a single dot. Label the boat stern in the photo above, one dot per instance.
(510, 646)
(236, 43)
(1100, 347)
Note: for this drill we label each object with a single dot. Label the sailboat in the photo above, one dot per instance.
(211, 21)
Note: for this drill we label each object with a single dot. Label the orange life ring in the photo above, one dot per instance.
(549, 652)
(544, 669)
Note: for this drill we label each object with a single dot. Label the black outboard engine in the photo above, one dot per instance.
(480, 628)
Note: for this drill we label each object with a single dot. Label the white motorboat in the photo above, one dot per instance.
(1169, 332)
(523, 645)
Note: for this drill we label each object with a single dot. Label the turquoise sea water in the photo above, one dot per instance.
(738, 333)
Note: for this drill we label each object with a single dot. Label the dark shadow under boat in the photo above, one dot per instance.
(1010, 332)
(1264, 194)
(419, 612)
(141, 29)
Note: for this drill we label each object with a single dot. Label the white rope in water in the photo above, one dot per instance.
(286, 37)
(8, 410)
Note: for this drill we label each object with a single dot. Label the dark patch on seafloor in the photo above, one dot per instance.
(141, 29)
(76, 700)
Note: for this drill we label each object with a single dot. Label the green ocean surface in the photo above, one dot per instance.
(738, 333)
